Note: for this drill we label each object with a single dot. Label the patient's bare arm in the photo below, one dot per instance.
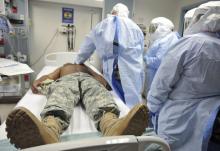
(53, 76)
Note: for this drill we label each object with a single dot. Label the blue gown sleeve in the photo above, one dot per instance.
(154, 61)
(86, 49)
(162, 48)
(167, 76)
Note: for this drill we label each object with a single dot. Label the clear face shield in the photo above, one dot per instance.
(152, 28)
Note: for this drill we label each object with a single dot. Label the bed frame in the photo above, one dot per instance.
(117, 143)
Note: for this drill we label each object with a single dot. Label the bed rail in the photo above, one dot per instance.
(114, 143)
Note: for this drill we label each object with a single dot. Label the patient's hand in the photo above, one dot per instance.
(41, 87)
(35, 85)
(38, 83)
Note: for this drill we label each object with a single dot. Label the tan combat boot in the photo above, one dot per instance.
(134, 123)
(25, 130)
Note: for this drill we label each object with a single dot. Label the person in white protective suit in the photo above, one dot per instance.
(162, 37)
(185, 93)
(119, 43)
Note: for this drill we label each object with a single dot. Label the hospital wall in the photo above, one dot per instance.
(180, 5)
(46, 18)
(146, 10)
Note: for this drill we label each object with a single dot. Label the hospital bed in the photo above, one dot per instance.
(81, 134)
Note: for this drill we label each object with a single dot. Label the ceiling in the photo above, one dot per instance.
(89, 3)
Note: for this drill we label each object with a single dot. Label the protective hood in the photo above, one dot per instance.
(120, 10)
(188, 18)
(206, 19)
(159, 28)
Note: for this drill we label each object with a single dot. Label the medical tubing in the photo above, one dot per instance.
(71, 38)
(11, 43)
(68, 36)
(45, 50)
(72, 33)
(74, 40)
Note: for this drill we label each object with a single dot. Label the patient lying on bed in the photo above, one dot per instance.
(64, 88)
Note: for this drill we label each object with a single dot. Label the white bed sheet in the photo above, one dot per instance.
(80, 122)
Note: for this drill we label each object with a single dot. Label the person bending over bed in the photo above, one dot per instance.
(65, 88)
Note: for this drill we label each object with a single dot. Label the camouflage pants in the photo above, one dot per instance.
(66, 92)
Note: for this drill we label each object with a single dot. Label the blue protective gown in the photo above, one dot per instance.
(186, 90)
(129, 57)
(155, 54)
